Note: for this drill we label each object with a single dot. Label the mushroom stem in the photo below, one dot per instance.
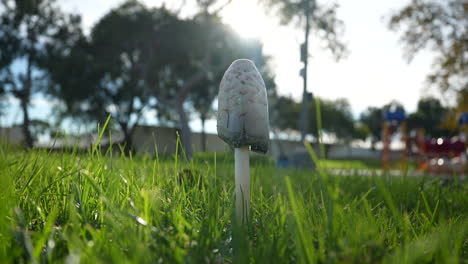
(242, 179)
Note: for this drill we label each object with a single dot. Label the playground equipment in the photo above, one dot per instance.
(444, 155)
(394, 119)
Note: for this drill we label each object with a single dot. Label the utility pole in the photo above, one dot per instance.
(304, 120)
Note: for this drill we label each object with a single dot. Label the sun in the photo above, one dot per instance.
(247, 18)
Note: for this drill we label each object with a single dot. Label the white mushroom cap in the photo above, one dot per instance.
(243, 107)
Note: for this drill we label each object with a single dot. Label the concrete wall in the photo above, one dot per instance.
(285, 146)
(213, 143)
(12, 135)
(347, 152)
(147, 139)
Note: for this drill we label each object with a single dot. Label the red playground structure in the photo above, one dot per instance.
(443, 156)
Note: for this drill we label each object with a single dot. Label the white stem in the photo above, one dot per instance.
(241, 156)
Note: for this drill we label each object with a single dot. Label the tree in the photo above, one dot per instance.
(2, 102)
(138, 58)
(361, 131)
(198, 46)
(78, 90)
(284, 114)
(204, 93)
(202, 99)
(25, 28)
(324, 23)
(336, 116)
(127, 45)
(39, 127)
(442, 27)
(430, 115)
(372, 117)
(205, 49)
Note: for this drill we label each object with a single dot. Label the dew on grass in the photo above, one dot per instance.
(51, 243)
(123, 179)
(85, 172)
(73, 257)
(132, 204)
(141, 221)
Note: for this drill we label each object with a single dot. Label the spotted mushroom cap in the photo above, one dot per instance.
(243, 107)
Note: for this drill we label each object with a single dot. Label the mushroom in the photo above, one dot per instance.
(243, 123)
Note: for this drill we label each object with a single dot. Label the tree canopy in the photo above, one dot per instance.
(430, 116)
(336, 117)
(372, 118)
(325, 24)
(138, 58)
(442, 28)
(26, 27)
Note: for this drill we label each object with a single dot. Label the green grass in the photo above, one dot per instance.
(107, 208)
(373, 164)
(352, 164)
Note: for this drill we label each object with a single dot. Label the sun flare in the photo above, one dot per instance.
(247, 18)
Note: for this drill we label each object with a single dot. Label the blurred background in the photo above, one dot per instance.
(332, 70)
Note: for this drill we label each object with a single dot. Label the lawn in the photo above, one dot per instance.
(108, 208)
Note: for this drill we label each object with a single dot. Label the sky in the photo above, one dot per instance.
(374, 73)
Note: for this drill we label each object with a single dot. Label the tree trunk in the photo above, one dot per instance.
(24, 93)
(28, 139)
(203, 134)
(373, 142)
(24, 97)
(185, 133)
(305, 58)
(128, 144)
